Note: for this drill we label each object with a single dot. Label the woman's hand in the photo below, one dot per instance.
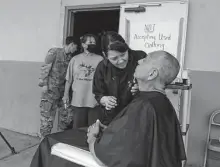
(109, 102)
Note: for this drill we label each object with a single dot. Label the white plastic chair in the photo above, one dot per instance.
(212, 143)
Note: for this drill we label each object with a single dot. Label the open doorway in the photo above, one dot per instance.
(94, 22)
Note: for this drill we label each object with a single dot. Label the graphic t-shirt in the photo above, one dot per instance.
(81, 70)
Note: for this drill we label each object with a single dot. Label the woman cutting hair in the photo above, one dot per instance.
(113, 82)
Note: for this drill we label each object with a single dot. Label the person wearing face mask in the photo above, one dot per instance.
(114, 84)
(80, 76)
(52, 81)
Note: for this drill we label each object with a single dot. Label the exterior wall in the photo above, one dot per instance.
(28, 28)
(32, 27)
(20, 96)
(205, 100)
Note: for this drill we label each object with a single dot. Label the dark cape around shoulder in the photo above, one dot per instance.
(145, 134)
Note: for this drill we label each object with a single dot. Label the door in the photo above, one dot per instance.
(157, 26)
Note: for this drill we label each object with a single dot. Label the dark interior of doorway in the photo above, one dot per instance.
(95, 22)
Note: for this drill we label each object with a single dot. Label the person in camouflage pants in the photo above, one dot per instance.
(52, 81)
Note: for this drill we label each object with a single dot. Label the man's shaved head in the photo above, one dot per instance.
(167, 65)
(159, 66)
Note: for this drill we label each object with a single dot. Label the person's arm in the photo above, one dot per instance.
(69, 80)
(46, 67)
(99, 87)
(67, 88)
(92, 151)
(93, 133)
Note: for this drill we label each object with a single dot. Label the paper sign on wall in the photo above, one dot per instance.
(152, 36)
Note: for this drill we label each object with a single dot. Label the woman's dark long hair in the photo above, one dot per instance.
(111, 40)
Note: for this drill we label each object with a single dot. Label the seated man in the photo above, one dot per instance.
(144, 134)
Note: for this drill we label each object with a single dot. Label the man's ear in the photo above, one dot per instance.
(152, 74)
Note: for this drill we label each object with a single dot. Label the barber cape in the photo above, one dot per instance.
(145, 134)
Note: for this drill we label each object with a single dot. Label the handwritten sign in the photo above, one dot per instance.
(154, 36)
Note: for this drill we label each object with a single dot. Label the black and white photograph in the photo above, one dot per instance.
(109, 83)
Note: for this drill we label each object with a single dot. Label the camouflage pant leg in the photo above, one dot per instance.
(48, 111)
(65, 117)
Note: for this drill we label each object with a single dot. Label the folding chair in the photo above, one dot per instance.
(212, 144)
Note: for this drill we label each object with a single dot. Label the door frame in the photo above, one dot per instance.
(68, 16)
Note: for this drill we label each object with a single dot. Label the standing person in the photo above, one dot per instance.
(80, 76)
(52, 81)
(113, 80)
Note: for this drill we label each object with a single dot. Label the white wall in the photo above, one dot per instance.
(28, 28)
(202, 48)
